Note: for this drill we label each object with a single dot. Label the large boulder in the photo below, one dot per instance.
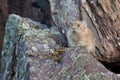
(33, 53)
(25, 8)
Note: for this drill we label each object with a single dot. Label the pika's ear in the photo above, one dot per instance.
(69, 24)
(74, 22)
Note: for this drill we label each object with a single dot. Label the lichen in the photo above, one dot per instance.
(63, 72)
(113, 5)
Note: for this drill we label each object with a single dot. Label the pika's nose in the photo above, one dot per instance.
(73, 29)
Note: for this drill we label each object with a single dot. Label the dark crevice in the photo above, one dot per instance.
(99, 6)
(79, 3)
(13, 64)
(44, 6)
(112, 67)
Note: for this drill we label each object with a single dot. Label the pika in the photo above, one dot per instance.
(79, 35)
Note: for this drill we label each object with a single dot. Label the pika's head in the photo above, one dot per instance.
(78, 26)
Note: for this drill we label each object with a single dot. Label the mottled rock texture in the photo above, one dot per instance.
(102, 17)
(24, 8)
(30, 53)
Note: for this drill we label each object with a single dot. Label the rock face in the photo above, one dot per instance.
(64, 14)
(102, 17)
(30, 52)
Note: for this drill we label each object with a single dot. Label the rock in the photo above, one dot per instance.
(25, 9)
(102, 17)
(29, 53)
(58, 36)
(64, 14)
(36, 24)
(54, 31)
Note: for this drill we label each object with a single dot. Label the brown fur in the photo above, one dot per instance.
(79, 35)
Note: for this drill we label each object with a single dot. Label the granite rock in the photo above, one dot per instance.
(30, 53)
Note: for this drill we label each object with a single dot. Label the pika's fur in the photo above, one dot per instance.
(79, 35)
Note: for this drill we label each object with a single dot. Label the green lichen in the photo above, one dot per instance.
(112, 5)
(6, 38)
(86, 77)
(63, 71)
(35, 78)
(32, 69)
(74, 57)
(68, 77)
(52, 33)
(12, 38)
(34, 49)
(95, 74)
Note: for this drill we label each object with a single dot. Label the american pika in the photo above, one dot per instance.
(79, 35)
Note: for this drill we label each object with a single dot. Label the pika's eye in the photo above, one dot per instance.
(78, 25)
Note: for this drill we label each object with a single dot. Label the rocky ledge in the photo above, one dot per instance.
(31, 51)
